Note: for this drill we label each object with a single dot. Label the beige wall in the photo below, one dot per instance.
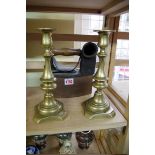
(34, 48)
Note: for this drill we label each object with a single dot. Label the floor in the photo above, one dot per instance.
(122, 87)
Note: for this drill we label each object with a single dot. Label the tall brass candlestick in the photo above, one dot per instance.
(97, 106)
(49, 108)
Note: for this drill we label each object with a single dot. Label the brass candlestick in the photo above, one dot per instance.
(97, 106)
(49, 108)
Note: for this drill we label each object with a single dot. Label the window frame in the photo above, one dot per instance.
(113, 23)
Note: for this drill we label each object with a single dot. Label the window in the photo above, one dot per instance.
(121, 73)
(91, 22)
(122, 49)
(85, 24)
(119, 59)
(124, 22)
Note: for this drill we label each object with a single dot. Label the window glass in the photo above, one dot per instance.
(121, 73)
(124, 22)
(122, 49)
(85, 24)
(89, 23)
(120, 78)
(120, 82)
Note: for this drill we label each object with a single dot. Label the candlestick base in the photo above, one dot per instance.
(49, 114)
(97, 108)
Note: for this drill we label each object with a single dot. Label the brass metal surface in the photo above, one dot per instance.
(98, 106)
(49, 108)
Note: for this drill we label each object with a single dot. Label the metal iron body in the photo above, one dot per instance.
(80, 73)
(97, 106)
(49, 108)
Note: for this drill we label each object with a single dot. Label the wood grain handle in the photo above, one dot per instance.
(66, 52)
